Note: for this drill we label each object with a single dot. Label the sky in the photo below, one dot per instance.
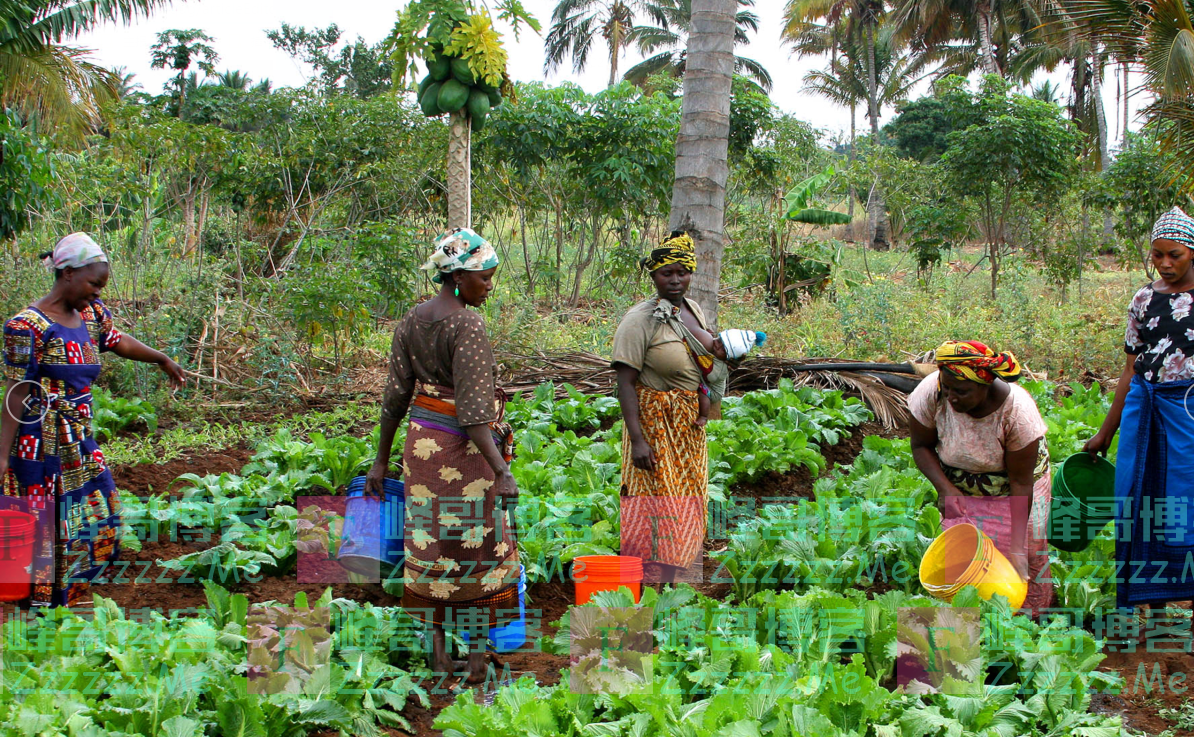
(239, 26)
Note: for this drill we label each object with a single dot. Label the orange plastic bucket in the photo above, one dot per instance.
(593, 573)
(962, 556)
(16, 555)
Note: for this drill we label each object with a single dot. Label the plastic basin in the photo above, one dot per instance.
(593, 573)
(372, 535)
(1083, 501)
(16, 554)
(512, 636)
(962, 556)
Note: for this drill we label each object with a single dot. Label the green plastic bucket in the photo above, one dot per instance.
(1083, 501)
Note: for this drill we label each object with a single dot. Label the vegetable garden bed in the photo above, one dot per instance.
(834, 566)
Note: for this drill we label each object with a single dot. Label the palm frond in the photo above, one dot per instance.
(57, 88)
(1169, 56)
(666, 61)
(753, 70)
(34, 24)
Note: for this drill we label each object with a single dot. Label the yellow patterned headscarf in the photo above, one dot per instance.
(973, 361)
(677, 248)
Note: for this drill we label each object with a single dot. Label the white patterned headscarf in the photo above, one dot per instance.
(460, 250)
(1175, 225)
(73, 252)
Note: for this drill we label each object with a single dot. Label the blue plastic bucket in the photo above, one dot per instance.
(372, 536)
(514, 635)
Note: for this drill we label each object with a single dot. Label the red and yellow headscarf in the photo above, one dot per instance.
(973, 361)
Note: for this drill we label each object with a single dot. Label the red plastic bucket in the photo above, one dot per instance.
(593, 573)
(16, 555)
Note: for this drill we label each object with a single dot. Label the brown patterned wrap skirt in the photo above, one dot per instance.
(664, 511)
(461, 568)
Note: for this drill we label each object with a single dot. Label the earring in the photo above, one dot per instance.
(457, 291)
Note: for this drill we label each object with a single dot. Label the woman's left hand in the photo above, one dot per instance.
(506, 487)
(171, 368)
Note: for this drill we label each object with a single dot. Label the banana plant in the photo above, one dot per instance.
(798, 202)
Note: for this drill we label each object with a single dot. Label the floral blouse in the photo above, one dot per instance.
(1161, 335)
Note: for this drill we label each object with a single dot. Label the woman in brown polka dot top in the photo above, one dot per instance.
(461, 567)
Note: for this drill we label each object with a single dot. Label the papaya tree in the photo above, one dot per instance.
(457, 43)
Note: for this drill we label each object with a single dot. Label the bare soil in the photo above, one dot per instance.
(1156, 672)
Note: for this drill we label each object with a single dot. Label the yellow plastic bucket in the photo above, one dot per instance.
(963, 556)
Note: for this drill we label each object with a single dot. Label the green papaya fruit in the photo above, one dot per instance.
(452, 96)
(423, 85)
(429, 100)
(439, 67)
(495, 98)
(462, 73)
(478, 108)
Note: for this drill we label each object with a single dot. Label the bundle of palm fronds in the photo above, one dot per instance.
(588, 372)
(882, 386)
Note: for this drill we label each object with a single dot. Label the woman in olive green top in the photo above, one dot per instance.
(665, 475)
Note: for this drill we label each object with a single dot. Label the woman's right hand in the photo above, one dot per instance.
(375, 480)
(1099, 444)
(642, 455)
(951, 506)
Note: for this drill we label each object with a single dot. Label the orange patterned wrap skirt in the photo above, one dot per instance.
(664, 511)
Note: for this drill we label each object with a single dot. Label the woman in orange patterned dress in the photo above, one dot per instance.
(665, 469)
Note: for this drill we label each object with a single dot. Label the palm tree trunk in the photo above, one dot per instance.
(1125, 103)
(702, 147)
(850, 157)
(613, 61)
(877, 207)
(986, 48)
(460, 194)
(1096, 93)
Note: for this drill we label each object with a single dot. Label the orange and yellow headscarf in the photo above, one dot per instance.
(973, 361)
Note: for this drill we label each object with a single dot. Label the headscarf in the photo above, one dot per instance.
(73, 252)
(677, 248)
(460, 250)
(1175, 225)
(740, 342)
(973, 361)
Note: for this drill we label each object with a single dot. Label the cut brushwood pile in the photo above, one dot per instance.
(883, 386)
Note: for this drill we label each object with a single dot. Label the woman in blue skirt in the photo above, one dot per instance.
(50, 464)
(1154, 479)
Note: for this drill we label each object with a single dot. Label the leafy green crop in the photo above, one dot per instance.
(577, 412)
(110, 675)
(815, 664)
(112, 414)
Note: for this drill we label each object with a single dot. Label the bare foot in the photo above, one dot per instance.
(476, 668)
